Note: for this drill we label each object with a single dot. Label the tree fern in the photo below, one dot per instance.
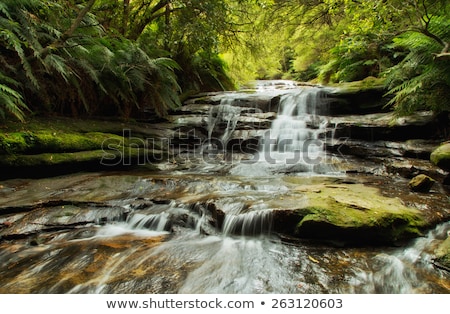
(85, 72)
(421, 81)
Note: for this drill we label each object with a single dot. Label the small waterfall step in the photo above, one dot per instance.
(297, 132)
(296, 140)
(242, 220)
(252, 223)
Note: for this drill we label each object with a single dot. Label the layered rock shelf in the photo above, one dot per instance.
(361, 142)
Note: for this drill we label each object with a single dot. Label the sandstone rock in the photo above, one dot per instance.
(441, 156)
(345, 213)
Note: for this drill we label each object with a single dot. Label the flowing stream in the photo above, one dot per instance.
(158, 232)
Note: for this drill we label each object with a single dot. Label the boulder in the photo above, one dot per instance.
(441, 156)
(345, 214)
(421, 183)
(359, 97)
(357, 214)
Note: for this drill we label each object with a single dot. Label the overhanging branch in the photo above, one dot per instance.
(444, 53)
(69, 32)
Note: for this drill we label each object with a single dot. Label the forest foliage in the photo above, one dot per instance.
(134, 58)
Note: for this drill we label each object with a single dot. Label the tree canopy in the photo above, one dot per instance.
(141, 57)
(330, 41)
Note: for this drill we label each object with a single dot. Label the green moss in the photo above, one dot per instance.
(357, 211)
(53, 142)
(109, 157)
(48, 159)
(71, 144)
(368, 84)
(11, 143)
(441, 156)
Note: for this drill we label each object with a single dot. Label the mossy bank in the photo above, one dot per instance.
(45, 146)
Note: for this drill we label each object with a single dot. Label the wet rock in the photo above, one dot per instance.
(421, 183)
(419, 149)
(55, 216)
(360, 97)
(446, 180)
(264, 102)
(441, 156)
(192, 108)
(78, 266)
(386, 126)
(285, 222)
(409, 168)
(364, 149)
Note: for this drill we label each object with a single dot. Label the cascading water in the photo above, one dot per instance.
(209, 233)
(295, 135)
(243, 221)
(157, 222)
(220, 114)
(248, 224)
(296, 140)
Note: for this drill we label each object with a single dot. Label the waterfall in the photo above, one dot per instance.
(296, 140)
(156, 222)
(157, 219)
(245, 221)
(248, 224)
(296, 134)
(198, 229)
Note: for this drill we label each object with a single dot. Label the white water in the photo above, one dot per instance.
(223, 113)
(239, 261)
(295, 135)
(248, 223)
(296, 140)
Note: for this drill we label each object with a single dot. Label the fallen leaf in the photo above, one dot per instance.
(312, 259)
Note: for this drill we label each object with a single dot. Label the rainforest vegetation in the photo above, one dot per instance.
(127, 58)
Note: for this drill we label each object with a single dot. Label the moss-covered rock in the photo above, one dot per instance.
(353, 213)
(421, 183)
(368, 84)
(66, 145)
(441, 156)
(35, 142)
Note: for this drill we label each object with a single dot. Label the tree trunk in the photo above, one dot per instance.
(125, 16)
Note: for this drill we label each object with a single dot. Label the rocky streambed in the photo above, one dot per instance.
(278, 190)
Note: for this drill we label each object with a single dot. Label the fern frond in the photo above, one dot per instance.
(11, 100)
(421, 82)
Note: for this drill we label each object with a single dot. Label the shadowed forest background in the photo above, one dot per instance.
(129, 57)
